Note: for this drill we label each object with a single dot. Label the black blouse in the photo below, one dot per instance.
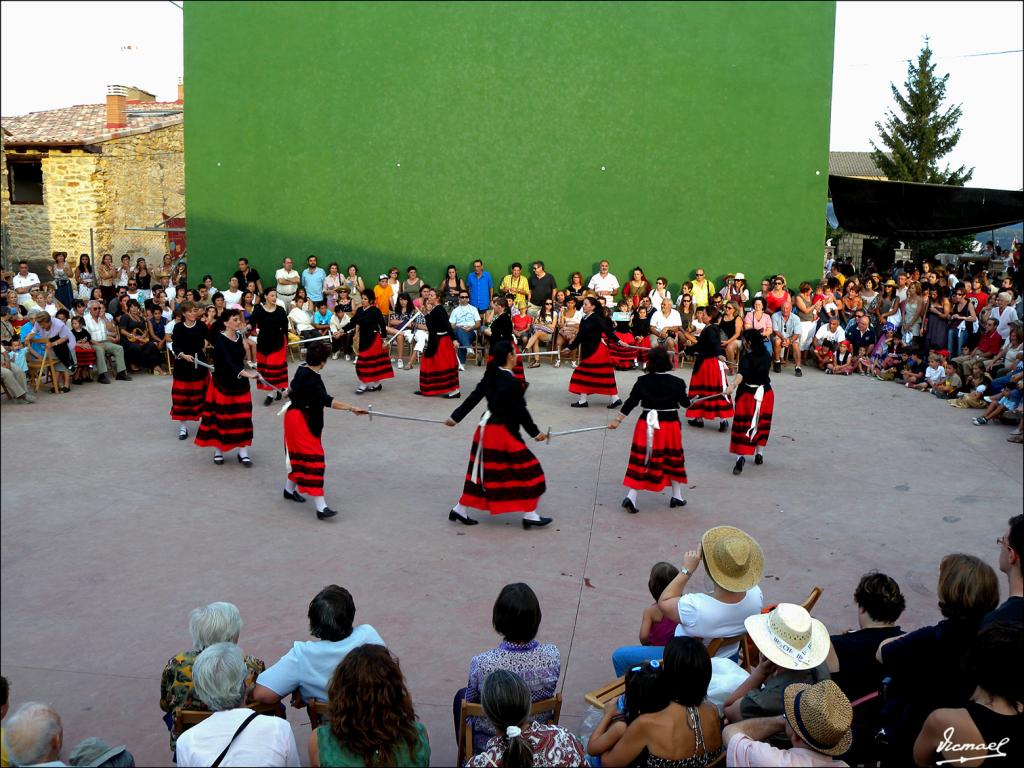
(708, 346)
(189, 341)
(437, 326)
(371, 324)
(273, 328)
(658, 392)
(505, 401)
(501, 328)
(755, 369)
(309, 395)
(228, 363)
(592, 328)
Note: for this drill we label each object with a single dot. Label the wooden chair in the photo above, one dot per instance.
(36, 368)
(186, 718)
(479, 348)
(552, 707)
(317, 711)
(170, 359)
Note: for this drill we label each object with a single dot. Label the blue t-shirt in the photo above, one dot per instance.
(479, 290)
(313, 282)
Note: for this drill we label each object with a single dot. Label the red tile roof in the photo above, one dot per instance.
(86, 123)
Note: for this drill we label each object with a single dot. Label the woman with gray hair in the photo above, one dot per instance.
(215, 623)
(219, 675)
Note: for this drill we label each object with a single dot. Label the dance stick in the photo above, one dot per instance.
(310, 341)
(645, 349)
(373, 413)
(529, 354)
(710, 397)
(197, 362)
(259, 378)
(402, 328)
(551, 434)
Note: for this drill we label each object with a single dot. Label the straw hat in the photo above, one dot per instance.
(891, 283)
(741, 276)
(821, 715)
(789, 637)
(732, 558)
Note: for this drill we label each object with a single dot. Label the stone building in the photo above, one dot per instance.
(858, 165)
(75, 178)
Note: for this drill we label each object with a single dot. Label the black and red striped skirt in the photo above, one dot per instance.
(227, 419)
(305, 454)
(667, 460)
(273, 366)
(374, 364)
(708, 380)
(188, 398)
(594, 375)
(512, 479)
(85, 356)
(739, 443)
(624, 357)
(439, 373)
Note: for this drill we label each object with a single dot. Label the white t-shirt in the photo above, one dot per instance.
(266, 741)
(232, 297)
(28, 281)
(287, 274)
(703, 616)
(659, 321)
(824, 334)
(606, 283)
(300, 319)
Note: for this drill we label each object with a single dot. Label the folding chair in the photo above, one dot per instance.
(551, 707)
(36, 369)
(317, 711)
(186, 718)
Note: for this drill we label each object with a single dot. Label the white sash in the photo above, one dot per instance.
(477, 473)
(758, 397)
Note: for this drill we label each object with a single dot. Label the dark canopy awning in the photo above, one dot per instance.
(903, 209)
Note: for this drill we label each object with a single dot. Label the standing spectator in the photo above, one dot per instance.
(34, 735)
(288, 280)
(313, 278)
(246, 274)
(106, 276)
(412, 284)
(233, 732)
(702, 289)
(1002, 312)
(542, 289)
(517, 286)
(61, 274)
(353, 280)
(1011, 549)
(936, 323)
(383, 298)
(232, 294)
(604, 284)
(962, 321)
(786, 335)
(637, 287)
(105, 335)
(465, 320)
(451, 286)
(85, 277)
(777, 295)
(23, 283)
(576, 289)
(735, 290)
(481, 287)
(659, 292)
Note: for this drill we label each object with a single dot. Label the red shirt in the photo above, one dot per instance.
(989, 343)
(775, 302)
(979, 299)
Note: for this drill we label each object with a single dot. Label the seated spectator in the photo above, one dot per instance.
(949, 384)
(657, 627)
(863, 339)
(666, 324)
(734, 563)
(465, 321)
(543, 328)
(911, 370)
(516, 617)
(817, 721)
(785, 335)
(1011, 548)
(826, 342)
(1007, 402)
(688, 731)
(645, 692)
(139, 350)
(521, 741)
(85, 355)
(5, 691)
(926, 665)
(1009, 354)
(993, 717)
(59, 343)
(886, 356)
(233, 733)
(987, 347)
(978, 383)
(34, 735)
(96, 753)
(793, 648)
(932, 374)
(306, 669)
(371, 720)
(14, 377)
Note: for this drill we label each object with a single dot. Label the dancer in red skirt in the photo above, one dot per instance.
(191, 381)
(271, 325)
(227, 414)
(373, 364)
(501, 330)
(594, 375)
(503, 476)
(439, 367)
(303, 426)
(708, 379)
(656, 457)
(754, 403)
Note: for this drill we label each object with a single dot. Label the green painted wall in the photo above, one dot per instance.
(661, 134)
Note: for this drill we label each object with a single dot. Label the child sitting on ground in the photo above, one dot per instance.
(978, 383)
(931, 376)
(844, 363)
(645, 693)
(949, 384)
(911, 368)
(657, 628)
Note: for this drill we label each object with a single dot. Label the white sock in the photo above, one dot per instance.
(182, 430)
(291, 486)
(460, 510)
(217, 453)
(677, 490)
(615, 398)
(531, 516)
(583, 399)
(321, 505)
(759, 450)
(243, 452)
(631, 495)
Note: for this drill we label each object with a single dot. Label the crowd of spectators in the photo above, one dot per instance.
(874, 694)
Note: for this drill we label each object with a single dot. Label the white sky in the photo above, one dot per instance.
(85, 48)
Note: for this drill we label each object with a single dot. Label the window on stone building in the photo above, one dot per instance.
(25, 178)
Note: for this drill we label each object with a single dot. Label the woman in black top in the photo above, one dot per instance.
(708, 379)
(656, 457)
(503, 475)
(439, 367)
(373, 363)
(594, 374)
(139, 350)
(754, 403)
(227, 415)
(303, 427)
(271, 324)
(501, 330)
(188, 392)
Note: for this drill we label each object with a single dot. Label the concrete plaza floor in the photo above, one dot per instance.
(113, 530)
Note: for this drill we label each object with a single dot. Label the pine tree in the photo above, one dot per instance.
(922, 134)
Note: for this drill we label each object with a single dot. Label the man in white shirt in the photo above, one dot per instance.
(665, 324)
(23, 284)
(234, 730)
(34, 736)
(103, 334)
(465, 320)
(288, 280)
(604, 284)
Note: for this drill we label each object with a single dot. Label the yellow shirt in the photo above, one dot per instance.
(702, 293)
(383, 294)
(510, 284)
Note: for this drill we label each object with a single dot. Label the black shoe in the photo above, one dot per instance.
(218, 460)
(78, 382)
(739, 465)
(674, 502)
(527, 524)
(723, 425)
(123, 376)
(182, 434)
(378, 388)
(453, 395)
(362, 391)
(278, 395)
(245, 461)
(65, 390)
(325, 513)
(578, 404)
(797, 372)
(615, 404)
(294, 496)
(417, 392)
(776, 366)
(758, 459)
(456, 517)
(103, 379)
(268, 399)
(628, 505)
(698, 423)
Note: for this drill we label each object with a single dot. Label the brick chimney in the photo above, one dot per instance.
(181, 91)
(117, 115)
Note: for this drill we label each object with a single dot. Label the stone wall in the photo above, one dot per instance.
(72, 194)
